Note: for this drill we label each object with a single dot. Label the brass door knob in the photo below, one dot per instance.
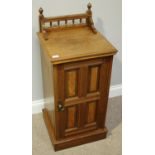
(60, 106)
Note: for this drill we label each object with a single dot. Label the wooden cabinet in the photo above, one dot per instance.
(76, 67)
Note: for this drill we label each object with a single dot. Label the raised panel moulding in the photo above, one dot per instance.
(38, 105)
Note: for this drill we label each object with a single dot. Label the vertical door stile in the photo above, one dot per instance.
(61, 97)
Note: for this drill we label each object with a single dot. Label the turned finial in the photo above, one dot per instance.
(89, 6)
(41, 18)
(41, 11)
(89, 20)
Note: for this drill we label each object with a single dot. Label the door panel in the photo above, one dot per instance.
(93, 81)
(71, 117)
(91, 114)
(71, 83)
(84, 95)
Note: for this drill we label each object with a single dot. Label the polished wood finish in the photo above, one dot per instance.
(76, 67)
(79, 44)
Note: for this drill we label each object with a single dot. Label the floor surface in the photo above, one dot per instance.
(112, 145)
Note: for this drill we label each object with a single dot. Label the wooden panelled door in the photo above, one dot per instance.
(83, 95)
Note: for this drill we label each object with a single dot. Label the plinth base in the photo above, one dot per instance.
(73, 140)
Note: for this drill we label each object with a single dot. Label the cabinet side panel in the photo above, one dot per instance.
(47, 75)
(104, 85)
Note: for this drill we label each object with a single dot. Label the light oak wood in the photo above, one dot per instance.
(76, 68)
(75, 44)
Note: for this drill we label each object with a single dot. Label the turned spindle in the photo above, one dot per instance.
(80, 20)
(46, 24)
(58, 22)
(50, 24)
(73, 21)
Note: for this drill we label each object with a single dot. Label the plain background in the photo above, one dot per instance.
(138, 77)
(107, 15)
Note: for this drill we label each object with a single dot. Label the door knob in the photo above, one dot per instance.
(60, 106)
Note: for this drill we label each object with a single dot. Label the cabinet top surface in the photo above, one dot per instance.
(75, 44)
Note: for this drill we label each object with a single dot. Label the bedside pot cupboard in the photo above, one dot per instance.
(76, 67)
